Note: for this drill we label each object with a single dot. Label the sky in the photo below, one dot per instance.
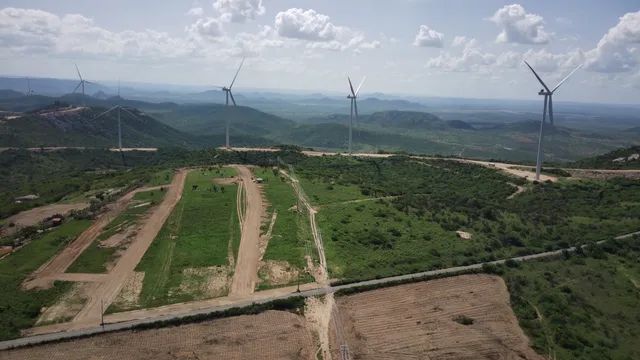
(452, 48)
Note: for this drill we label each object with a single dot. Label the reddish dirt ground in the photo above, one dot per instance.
(417, 321)
(269, 335)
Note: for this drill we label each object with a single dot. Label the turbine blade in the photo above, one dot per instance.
(538, 77)
(78, 71)
(237, 72)
(353, 93)
(76, 89)
(232, 99)
(127, 111)
(105, 112)
(565, 78)
(359, 86)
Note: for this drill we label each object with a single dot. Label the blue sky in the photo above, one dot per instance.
(459, 48)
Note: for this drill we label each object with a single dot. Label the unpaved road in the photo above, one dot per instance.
(417, 321)
(108, 289)
(44, 276)
(245, 276)
(129, 319)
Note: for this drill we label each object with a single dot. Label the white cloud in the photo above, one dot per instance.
(196, 11)
(306, 25)
(427, 37)
(471, 59)
(619, 48)
(318, 30)
(205, 29)
(27, 31)
(518, 26)
(463, 41)
(239, 10)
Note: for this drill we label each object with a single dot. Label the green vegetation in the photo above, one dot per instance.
(20, 309)
(291, 236)
(423, 203)
(162, 177)
(626, 158)
(197, 234)
(96, 258)
(584, 306)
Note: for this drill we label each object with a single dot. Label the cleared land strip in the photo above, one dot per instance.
(44, 276)
(79, 277)
(132, 319)
(246, 271)
(104, 294)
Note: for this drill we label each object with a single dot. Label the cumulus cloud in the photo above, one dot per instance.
(239, 10)
(471, 59)
(462, 41)
(518, 26)
(427, 37)
(205, 28)
(319, 31)
(619, 48)
(27, 31)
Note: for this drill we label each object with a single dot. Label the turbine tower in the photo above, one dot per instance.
(228, 94)
(353, 96)
(548, 107)
(81, 83)
(119, 108)
(29, 90)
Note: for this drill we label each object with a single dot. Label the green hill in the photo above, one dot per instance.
(78, 127)
(625, 158)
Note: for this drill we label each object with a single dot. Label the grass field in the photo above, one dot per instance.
(583, 307)
(421, 204)
(291, 237)
(19, 309)
(196, 235)
(96, 258)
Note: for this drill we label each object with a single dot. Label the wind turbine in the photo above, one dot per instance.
(228, 94)
(119, 108)
(548, 100)
(29, 90)
(81, 83)
(353, 96)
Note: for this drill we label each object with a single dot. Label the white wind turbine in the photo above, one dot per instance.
(228, 94)
(119, 108)
(548, 100)
(353, 96)
(81, 84)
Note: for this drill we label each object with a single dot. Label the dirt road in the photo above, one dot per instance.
(109, 288)
(45, 275)
(246, 271)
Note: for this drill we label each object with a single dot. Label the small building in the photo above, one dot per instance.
(259, 180)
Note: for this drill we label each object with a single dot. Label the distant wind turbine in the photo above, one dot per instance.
(81, 84)
(119, 108)
(548, 99)
(353, 96)
(29, 90)
(228, 94)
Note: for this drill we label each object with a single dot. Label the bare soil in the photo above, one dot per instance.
(130, 294)
(36, 215)
(269, 335)
(417, 321)
(66, 307)
(245, 276)
(42, 278)
(206, 282)
(277, 273)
